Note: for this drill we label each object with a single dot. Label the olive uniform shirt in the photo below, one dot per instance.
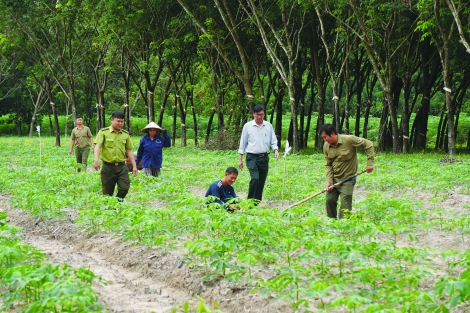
(341, 161)
(81, 136)
(113, 144)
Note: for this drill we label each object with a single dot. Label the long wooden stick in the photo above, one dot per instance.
(325, 190)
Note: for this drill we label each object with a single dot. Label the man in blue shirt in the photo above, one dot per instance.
(256, 139)
(222, 189)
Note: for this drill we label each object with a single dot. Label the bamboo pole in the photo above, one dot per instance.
(324, 190)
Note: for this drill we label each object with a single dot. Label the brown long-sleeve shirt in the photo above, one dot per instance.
(341, 160)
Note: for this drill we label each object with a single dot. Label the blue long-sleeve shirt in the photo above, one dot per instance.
(150, 151)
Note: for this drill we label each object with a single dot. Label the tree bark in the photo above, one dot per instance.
(166, 94)
(443, 48)
(430, 71)
(37, 102)
(209, 124)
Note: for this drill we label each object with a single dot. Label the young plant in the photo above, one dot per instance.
(33, 285)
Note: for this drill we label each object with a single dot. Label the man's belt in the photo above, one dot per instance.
(259, 155)
(114, 164)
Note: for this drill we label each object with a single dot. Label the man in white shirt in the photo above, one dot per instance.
(257, 138)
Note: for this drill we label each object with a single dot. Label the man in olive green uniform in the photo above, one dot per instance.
(117, 147)
(341, 161)
(82, 140)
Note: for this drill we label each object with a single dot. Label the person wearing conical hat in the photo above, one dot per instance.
(150, 148)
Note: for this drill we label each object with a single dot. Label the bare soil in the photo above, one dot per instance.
(141, 279)
(134, 278)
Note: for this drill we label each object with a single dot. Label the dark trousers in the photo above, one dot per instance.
(81, 154)
(258, 167)
(150, 171)
(345, 193)
(112, 175)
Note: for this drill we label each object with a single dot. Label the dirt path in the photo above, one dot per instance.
(121, 289)
(141, 279)
(125, 291)
(135, 278)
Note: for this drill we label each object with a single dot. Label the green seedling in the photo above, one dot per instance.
(361, 264)
(32, 284)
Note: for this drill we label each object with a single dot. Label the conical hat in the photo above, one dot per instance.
(151, 125)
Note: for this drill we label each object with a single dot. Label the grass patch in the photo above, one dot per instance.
(369, 262)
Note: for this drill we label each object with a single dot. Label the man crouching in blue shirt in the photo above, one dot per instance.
(222, 192)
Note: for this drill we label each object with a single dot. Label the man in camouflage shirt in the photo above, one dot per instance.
(341, 162)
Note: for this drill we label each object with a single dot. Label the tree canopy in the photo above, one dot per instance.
(309, 60)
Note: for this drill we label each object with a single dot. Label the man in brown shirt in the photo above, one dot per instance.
(341, 161)
(82, 140)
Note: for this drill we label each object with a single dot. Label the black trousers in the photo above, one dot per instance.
(258, 165)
